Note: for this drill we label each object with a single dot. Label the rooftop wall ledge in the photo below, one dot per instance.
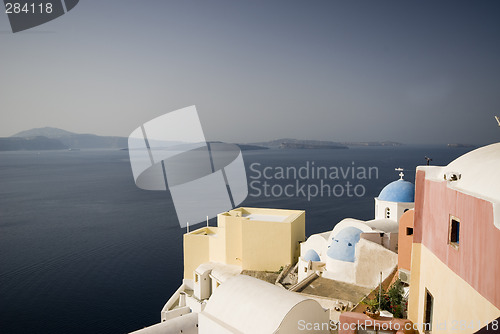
(350, 322)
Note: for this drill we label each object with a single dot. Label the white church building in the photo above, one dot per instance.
(356, 251)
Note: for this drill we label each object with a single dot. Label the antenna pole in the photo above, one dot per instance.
(207, 221)
(380, 293)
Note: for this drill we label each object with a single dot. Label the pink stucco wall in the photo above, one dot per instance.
(477, 259)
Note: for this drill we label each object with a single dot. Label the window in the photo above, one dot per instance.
(454, 235)
(409, 231)
(387, 213)
(196, 278)
(429, 304)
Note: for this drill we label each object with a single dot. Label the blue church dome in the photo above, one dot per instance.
(343, 244)
(398, 191)
(311, 255)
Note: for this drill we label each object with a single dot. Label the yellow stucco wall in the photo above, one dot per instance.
(196, 252)
(458, 308)
(217, 245)
(251, 244)
(414, 298)
(266, 246)
(233, 229)
(298, 235)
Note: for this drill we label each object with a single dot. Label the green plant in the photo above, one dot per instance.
(393, 300)
(372, 304)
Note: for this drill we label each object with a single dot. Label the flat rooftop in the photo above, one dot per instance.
(265, 214)
(209, 231)
(263, 217)
(324, 287)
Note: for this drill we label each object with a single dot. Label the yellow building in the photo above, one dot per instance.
(251, 238)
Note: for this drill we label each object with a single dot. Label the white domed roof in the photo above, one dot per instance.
(479, 171)
(477, 174)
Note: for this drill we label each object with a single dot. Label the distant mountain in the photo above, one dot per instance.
(461, 146)
(45, 132)
(75, 140)
(287, 143)
(37, 143)
(246, 147)
(372, 143)
(72, 140)
(66, 139)
(243, 147)
(291, 145)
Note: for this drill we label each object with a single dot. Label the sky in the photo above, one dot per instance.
(416, 72)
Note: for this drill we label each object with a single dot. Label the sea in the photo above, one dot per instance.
(83, 250)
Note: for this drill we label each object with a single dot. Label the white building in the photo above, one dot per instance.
(218, 299)
(356, 251)
(244, 304)
(395, 199)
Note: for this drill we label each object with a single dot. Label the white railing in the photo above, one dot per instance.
(172, 302)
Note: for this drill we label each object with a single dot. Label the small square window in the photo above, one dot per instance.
(409, 231)
(454, 239)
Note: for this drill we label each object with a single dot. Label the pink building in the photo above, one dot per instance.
(455, 255)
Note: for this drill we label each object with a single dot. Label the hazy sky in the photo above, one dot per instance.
(408, 71)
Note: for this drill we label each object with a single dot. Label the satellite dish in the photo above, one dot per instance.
(498, 120)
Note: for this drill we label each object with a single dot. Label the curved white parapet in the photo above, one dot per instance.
(186, 324)
(245, 304)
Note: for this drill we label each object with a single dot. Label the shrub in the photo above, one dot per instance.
(393, 300)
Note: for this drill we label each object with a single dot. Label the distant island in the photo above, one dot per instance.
(37, 143)
(309, 145)
(247, 147)
(372, 143)
(49, 138)
(287, 143)
(461, 146)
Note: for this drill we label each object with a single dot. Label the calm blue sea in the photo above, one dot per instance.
(83, 250)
